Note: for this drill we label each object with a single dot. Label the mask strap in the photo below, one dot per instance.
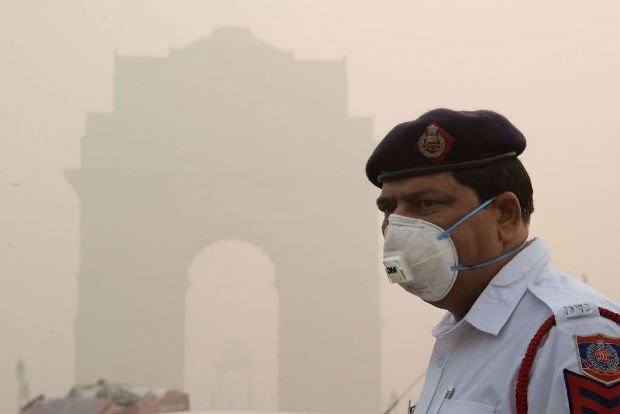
(449, 230)
(494, 260)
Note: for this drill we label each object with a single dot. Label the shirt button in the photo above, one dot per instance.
(441, 362)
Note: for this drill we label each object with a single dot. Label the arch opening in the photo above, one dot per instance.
(231, 337)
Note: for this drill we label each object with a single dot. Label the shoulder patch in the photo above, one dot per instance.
(588, 396)
(598, 357)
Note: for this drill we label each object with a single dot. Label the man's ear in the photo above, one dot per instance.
(509, 219)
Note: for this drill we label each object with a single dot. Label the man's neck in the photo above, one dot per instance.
(470, 284)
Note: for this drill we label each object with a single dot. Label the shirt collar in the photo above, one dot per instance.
(499, 299)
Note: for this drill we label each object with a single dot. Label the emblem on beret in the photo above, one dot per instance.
(599, 357)
(435, 143)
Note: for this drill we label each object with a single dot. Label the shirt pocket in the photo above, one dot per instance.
(465, 407)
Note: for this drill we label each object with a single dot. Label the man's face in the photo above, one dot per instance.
(441, 200)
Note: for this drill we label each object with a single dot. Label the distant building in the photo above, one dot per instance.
(230, 138)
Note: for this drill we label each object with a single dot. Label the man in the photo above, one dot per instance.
(457, 204)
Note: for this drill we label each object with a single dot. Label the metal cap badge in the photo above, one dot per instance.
(435, 143)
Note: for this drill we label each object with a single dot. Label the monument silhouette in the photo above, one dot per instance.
(230, 138)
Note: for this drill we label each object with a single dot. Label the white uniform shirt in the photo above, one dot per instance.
(478, 357)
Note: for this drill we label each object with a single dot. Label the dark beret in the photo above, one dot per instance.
(443, 140)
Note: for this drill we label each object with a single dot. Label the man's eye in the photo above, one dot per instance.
(426, 203)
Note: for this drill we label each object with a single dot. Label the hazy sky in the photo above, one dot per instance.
(552, 67)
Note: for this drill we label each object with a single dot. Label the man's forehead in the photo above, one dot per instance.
(432, 183)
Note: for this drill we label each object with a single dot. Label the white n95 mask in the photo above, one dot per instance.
(417, 259)
(421, 257)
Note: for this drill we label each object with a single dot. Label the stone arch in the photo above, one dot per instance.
(229, 136)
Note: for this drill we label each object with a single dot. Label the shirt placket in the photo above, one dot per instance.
(434, 392)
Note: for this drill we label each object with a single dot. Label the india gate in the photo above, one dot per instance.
(230, 138)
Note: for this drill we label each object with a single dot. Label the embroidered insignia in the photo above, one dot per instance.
(598, 357)
(586, 396)
(435, 143)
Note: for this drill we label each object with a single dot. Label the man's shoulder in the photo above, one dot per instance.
(576, 306)
(567, 297)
